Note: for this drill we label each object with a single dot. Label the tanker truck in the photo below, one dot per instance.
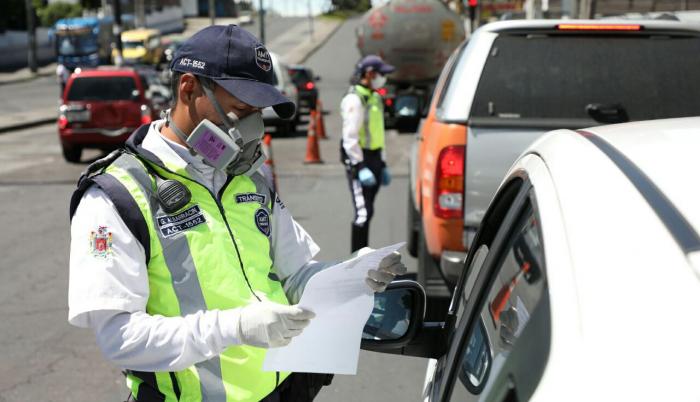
(417, 37)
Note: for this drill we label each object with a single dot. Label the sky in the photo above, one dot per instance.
(300, 7)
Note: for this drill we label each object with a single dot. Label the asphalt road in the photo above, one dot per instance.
(45, 359)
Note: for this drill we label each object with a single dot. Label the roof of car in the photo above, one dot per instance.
(625, 192)
(664, 25)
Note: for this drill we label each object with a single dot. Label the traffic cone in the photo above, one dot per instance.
(269, 166)
(320, 125)
(312, 152)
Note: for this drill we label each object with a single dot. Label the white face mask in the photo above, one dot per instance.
(378, 81)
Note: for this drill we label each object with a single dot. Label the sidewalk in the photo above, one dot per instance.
(26, 75)
(304, 45)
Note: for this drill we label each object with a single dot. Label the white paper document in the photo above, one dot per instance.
(342, 302)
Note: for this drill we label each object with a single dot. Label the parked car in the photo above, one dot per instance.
(283, 82)
(305, 81)
(100, 109)
(582, 282)
(512, 82)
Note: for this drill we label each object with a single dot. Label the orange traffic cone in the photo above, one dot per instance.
(269, 166)
(320, 125)
(312, 152)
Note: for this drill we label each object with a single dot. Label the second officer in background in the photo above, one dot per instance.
(362, 144)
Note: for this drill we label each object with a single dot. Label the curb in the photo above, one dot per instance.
(27, 124)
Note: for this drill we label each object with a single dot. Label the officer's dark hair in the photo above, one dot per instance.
(175, 87)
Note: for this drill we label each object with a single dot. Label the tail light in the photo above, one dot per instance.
(449, 183)
(62, 122)
(389, 102)
(382, 91)
(309, 86)
(145, 114)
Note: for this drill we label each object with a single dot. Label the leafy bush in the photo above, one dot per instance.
(53, 12)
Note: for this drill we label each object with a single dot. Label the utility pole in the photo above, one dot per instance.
(31, 36)
(311, 19)
(212, 11)
(117, 30)
(261, 12)
(140, 12)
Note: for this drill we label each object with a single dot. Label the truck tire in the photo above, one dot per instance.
(429, 276)
(72, 153)
(413, 220)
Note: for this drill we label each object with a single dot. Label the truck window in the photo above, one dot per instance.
(101, 89)
(557, 76)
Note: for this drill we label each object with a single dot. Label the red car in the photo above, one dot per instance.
(100, 109)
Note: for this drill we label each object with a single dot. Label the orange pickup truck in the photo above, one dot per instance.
(435, 199)
(509, 84)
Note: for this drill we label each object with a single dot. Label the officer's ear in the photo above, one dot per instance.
(188, 88)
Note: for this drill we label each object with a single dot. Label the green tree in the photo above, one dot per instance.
(351, 5)
(48, 15)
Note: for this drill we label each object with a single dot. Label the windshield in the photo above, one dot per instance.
(101, 89)
(135, 44)
(75, 43)
(558, 77)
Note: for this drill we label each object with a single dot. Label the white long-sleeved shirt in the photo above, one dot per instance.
(352, 112)
(108, 291)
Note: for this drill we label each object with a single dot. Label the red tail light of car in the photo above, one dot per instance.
(382, 91)
(146, 114)
(62, 122)
(309, 86)
(449, 183)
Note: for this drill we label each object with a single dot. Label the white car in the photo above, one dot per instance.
(583, 281)
(283, 83)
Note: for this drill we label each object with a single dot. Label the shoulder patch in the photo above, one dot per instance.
(262, 221)
(101, 242)
(250, 197)
(170, 225)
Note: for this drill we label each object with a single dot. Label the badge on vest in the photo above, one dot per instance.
(250, 197)
(170, 225)
(262, 221)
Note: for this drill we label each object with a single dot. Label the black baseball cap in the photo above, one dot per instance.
(237, 61)
(374, 63)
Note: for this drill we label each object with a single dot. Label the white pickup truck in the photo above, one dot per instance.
(516, 80)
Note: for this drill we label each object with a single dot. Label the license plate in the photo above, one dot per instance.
(77, 115)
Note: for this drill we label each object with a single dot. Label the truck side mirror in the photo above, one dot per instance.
(408, 113)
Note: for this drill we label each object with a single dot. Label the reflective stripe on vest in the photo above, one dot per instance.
(207, 256)
(373, 118)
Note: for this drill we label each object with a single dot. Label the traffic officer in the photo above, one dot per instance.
(362, 144)
(183, 262)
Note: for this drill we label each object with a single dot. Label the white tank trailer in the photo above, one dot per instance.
(417, 37)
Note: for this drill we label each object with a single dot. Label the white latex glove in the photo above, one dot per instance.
(390, 266)
(267, 324)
